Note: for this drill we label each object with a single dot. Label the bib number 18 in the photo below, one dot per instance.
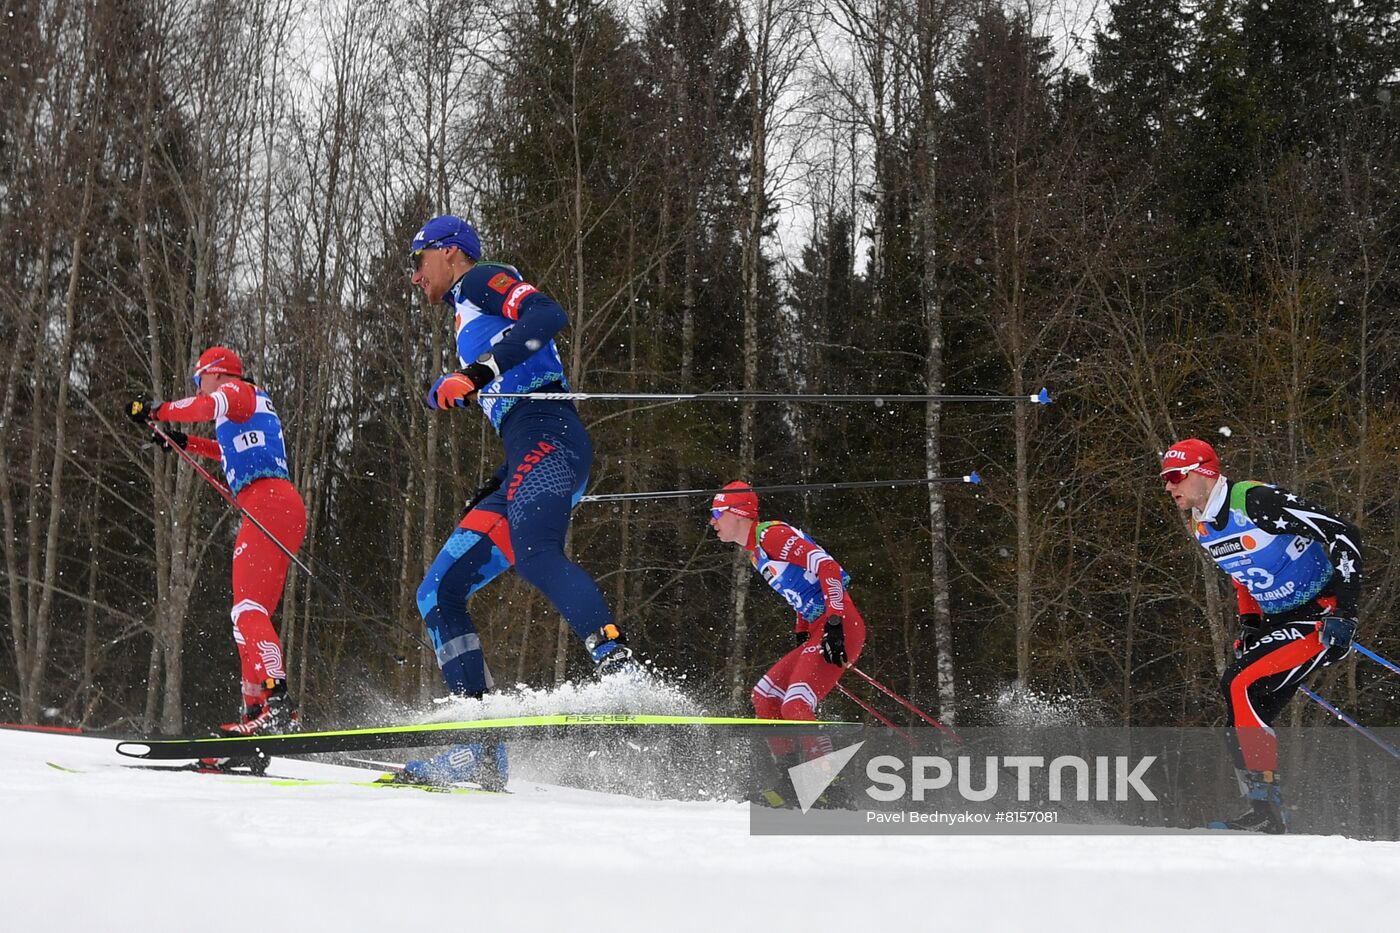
(249, 439)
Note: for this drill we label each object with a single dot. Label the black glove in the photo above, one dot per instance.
(1336, 633)
(1250, 624)
(178, 438)
(799, 638)
(141, 409)
(484, 490)
(834, 640)
(479, 373)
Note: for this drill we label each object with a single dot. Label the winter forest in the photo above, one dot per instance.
(1180, 215)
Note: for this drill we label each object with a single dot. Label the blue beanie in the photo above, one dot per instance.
(447, 230)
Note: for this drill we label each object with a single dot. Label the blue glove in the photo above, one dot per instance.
(453, 390)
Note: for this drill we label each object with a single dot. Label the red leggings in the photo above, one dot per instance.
(259, 575)
(794, 686)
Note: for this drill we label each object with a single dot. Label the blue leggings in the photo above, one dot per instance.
(548, 458)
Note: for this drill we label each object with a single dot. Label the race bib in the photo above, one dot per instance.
(248, 440)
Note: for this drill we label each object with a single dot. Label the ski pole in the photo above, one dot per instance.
(228, 496)
(1389, 749)
(873, 712)
(1039, 398)
(224, 491)
(903, 702)
(1375, 657)
(972, 478)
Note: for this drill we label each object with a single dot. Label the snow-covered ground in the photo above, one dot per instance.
(112, 848)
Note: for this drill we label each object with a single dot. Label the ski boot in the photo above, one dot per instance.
(774, 789)
(780, 792)
(836, 797)
(611, 656)
(1266, 813)
(485, 765)
(275, 715)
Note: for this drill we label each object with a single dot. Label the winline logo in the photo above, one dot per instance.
(1115, 778)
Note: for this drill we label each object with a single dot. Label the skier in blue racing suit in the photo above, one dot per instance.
(505, 331)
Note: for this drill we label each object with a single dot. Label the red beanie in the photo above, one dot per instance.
(1192, 454)
(218, 360)
(742, 500)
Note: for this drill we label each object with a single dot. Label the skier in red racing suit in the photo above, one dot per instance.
(250, 447)
(829, 632)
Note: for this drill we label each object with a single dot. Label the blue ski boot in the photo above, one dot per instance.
(608, 648)
(483, 765)
(1266, 813)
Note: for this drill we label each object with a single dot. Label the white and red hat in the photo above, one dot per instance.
(1192, 455)
(220, 360)
(738, 497)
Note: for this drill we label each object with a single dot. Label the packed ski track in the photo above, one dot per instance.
(103, 846)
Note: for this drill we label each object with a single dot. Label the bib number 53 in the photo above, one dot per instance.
(1254, 578)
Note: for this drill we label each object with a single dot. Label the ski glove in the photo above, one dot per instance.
(455, 390)
(177, 438)
(484, 490)
(834, 641)
(141, 409)
(1250, 624)
(1336, 632)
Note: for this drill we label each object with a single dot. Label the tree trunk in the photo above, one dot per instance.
(932, 298)
(32, 680)
(1130, 626)
(19, 584)
(1024, 611)
(565, 634)
(752, 274)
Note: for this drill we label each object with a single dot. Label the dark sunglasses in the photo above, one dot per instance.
(416, 257)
